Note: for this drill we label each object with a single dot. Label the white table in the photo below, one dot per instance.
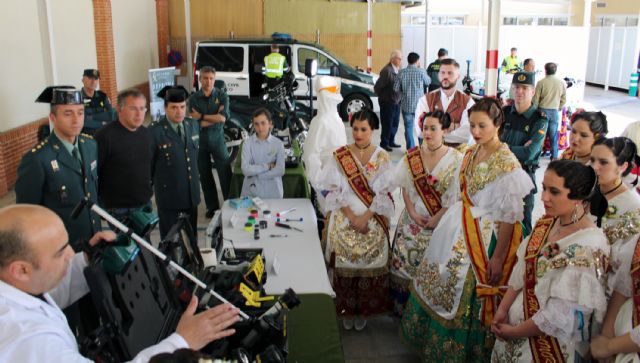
(299, 256)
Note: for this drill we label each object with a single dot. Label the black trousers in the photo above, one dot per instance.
(169, 217)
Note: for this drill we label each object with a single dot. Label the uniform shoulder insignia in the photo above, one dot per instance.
(87, 136)
(39, 146)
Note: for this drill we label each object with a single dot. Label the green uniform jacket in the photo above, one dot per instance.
(174, 170)
(519, 129)
(214, 134)
(97, 110)
(49, 176)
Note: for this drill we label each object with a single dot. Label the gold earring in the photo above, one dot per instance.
(574, 216)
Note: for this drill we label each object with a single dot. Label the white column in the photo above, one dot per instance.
(187, 28)
(48, 42)
(493, 33)
(586, 15)
(609, 57)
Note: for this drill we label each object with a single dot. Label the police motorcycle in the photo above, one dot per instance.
(290, 118)
(140, 291)
(474, 87)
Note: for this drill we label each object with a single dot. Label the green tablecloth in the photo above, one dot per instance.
(294, 181)
(314, 335)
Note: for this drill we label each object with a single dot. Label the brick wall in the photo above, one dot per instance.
(13, 144)
(105, 48)
(16, 142)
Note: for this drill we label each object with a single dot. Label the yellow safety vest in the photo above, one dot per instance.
(274, 65)
(510, 63)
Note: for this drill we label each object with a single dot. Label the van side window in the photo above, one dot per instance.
(223, 59)
(306, 53)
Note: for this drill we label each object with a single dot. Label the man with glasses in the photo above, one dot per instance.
(124, 158)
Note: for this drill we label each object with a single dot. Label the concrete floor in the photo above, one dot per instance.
(380, 341)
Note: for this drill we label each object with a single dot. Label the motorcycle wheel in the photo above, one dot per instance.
(230, 135)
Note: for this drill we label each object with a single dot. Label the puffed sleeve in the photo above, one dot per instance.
(401, 175)
(564, 320)
(580, 283)
(516, 281)
(334, 183)
(502, 199)
(383, 185)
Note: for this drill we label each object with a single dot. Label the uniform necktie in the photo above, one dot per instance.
(180, 134)
(76, 155)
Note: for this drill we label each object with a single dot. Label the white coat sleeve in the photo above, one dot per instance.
(461, 135)
(52, 348)
(74, 285)
(421, 108)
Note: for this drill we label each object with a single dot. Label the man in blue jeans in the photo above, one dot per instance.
(411, 83)
(550, 97)
(389, 101)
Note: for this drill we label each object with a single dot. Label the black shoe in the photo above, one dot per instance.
(395, 146)
(386, 148)
(210, 213)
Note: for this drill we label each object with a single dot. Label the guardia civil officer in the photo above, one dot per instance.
(175, 161)
(210, 107)
(57, 174)
(524, 131)
(97, 106)
(62, 169)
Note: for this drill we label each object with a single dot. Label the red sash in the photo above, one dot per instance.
(427, 193)
(490, 295)
(544, 348)
(358, 182)
(635, 281)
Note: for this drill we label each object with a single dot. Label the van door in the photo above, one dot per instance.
(300, 55)
(230, 62)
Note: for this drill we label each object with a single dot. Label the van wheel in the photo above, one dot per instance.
(353, 103)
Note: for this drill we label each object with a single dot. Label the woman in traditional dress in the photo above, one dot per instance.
(425, 174)
(472, 250)
(612, 160)
(557, 289)
(357, 238)
(586, 129)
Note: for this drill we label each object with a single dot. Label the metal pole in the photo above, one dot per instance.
(116, 223)
(426, 33)
(187, 28)
(369, 34)
(491, 73)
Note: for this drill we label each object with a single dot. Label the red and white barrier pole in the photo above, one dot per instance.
(369, 34)
(493, 33)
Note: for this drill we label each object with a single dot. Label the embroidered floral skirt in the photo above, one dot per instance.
(462, 339)
(409, 243)
(362, 296)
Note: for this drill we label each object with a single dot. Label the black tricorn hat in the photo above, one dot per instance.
(173, 94)
(60, 95)
(93, 73)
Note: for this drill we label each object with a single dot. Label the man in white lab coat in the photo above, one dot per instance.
(40, 274)
(326, 132)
